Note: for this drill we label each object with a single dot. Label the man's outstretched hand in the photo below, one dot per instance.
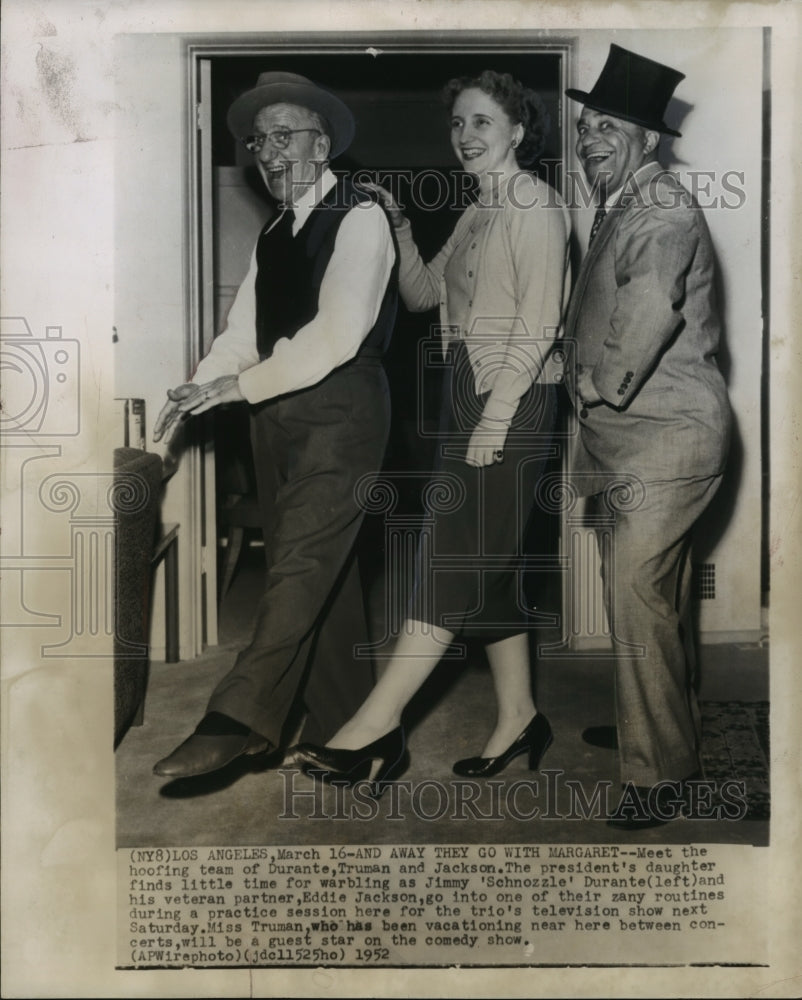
(189, 399)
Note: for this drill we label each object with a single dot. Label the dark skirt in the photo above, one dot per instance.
(471, 559)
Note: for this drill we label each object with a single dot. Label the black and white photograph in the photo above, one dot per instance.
(400, 505)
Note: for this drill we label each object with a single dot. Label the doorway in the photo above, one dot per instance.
(393, 88)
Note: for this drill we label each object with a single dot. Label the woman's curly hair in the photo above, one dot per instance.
(519, 103)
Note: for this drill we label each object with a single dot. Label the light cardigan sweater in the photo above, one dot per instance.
(515, 258)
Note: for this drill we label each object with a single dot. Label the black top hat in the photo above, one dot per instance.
(291, 88)
(634, 88)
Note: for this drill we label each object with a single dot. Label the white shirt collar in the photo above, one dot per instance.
(612, 199)
(311, 197)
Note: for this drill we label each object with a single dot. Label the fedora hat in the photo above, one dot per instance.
(634, 88)
(291, 88)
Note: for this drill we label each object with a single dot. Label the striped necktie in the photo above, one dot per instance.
(598, 219)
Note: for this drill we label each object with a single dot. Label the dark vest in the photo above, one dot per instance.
(291, 269)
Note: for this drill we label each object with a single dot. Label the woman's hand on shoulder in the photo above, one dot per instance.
(397, 217)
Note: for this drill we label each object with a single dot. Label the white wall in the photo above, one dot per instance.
(151, 274)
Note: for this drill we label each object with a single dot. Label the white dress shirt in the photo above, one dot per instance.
(349, 300)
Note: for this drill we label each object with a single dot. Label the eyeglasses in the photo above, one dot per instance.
(279, 139)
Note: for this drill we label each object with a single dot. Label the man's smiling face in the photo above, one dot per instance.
(289, 170)
(611, 149)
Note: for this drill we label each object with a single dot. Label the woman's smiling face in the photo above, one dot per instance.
(482, 134)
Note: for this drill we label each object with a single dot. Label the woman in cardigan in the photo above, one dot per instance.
(501, 284)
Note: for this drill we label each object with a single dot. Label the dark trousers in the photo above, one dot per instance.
(311, 448)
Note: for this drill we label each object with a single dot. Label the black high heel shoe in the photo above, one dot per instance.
(329, 764)
(535, 739)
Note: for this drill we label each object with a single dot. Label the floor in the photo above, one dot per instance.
(256, 801)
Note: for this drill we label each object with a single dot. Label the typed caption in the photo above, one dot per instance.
(430, 905)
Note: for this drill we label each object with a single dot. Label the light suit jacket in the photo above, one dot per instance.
(644, 318)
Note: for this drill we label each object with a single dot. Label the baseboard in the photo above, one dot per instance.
(743, 637)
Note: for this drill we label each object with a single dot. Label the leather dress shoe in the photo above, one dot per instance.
(534, 740)
(374, 762)
(641, 821)
(204, 753)
(604, 737)
(643, 808)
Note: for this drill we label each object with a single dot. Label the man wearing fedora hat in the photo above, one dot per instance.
(303, 345)
(653, 414)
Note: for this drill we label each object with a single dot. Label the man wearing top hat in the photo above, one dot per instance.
(303, 346)
(653, 412)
